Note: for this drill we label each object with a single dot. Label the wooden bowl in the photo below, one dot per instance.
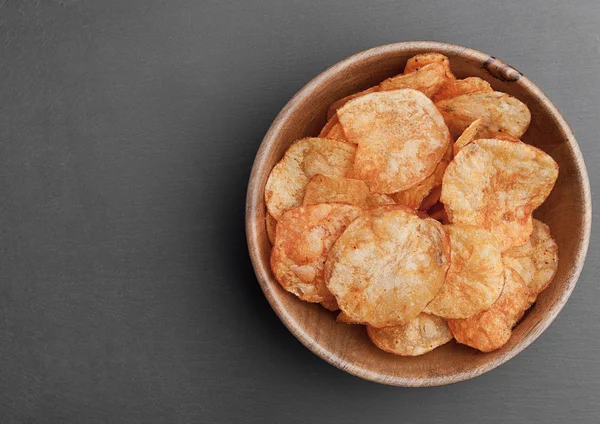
(567, 211)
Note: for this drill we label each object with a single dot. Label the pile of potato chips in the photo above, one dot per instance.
(411, 213)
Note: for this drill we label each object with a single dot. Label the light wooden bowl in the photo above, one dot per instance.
(567, 211)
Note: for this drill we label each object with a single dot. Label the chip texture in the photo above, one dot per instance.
(491, 329)
(304, 159)
(499, 112)
(417, 62)
(387, 266)
(422, 334)
(428, 80)
(475, 277)
(455, 88)
(537, 260)
(497, 184)
(341, 102)
(401, 138)
(333, 129)
(467, 136)
(304, 237)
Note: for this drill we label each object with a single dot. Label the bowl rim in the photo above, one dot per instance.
(255, 194)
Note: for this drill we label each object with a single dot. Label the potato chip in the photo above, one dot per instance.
(304, 159)
(467, 136)
(499, 112)
(322, 189)
(304, 237)
(455, 88)
(422, 334)
(333, 129)
(497, 184)
(330, 305)
(401, 138)
(491, 329)
(537, 260)
(345, 319)
(341, 102)
(475, 277)
(431, 199)
(414, 196)
(387, 266)
(271, 224)
(428, 80)
(419, 61)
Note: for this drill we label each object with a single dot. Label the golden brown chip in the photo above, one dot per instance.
(341, 102)
(456, 88)
(417, 62)
(431, 199)
(422, 334)
(475, 277)
(304, 159)
(333, 129)
(414, 196)
(401, 138)
(330, 305)
(537, 260)
(271, 224)
(467, 136)
(428, 80)
(491, 329)
(497, 184)
(499, 112)
(304, 237)
(387, 266)
(322, 189)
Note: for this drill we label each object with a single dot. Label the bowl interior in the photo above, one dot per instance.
(567, 211)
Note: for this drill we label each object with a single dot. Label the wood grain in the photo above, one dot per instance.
(347, 347)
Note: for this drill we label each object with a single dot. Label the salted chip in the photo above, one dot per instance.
(304, 237)
(271, 224)
(414, 196)
(333, 129)
(499, 112)
(491, 329)
(454, 88)
(387, 266)
(330, 305)
(428, 80)
(322, 189)
(422, 334)
(475, 277)
(537, 260)
(467, 136)
(431, 199)
(401, 138)
(341, 102)
(345, 319)
(304, 159)
(497, 184)
(417, 62)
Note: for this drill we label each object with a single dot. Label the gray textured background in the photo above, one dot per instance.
(127, 133)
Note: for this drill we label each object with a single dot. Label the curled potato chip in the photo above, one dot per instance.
(537, 260)
(414, 196)
(330, 305)
(475, 277)
(333, 129)
(271, 224)
(322, 189)
(304, 159)
(467, 136)
(431, 199)
(303, 240)
(341, 102)
(420, 335)
(497, 184)
(491, 329)
(401, 138)
(499, 112)
(454, 88)
(417, 62)
(387, 266)
(428, 80)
